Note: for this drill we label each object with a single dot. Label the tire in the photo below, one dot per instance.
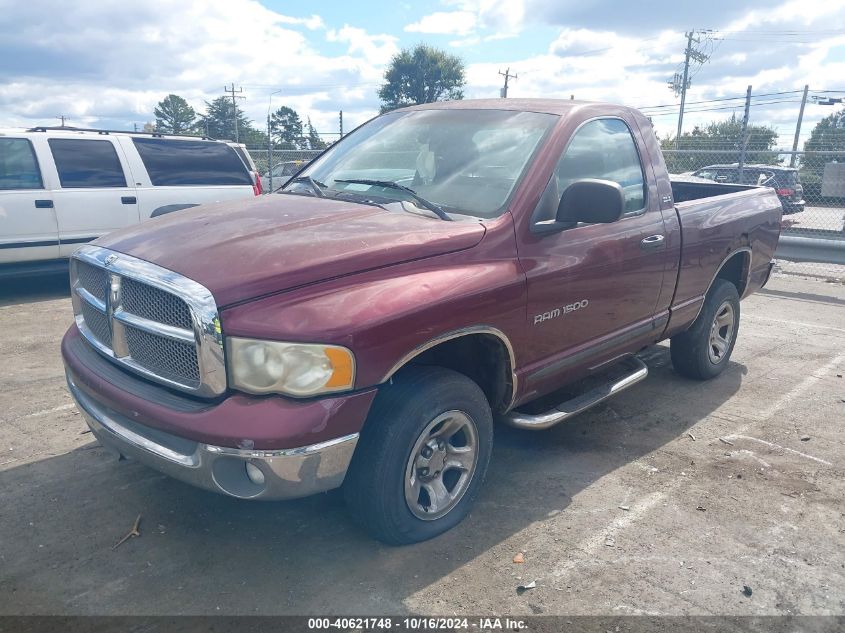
(695, 353)
(414, 413)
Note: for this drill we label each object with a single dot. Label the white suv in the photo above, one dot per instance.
(62, 187)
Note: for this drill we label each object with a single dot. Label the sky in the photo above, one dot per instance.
(106, 63)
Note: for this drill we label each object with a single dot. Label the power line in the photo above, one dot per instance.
(730, 107)
(310, 86)
(782, 32)
(720, 99)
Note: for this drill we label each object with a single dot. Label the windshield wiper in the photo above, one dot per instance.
(389, 184)
(316, 186)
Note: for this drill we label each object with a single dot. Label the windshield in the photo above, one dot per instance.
(464, 161)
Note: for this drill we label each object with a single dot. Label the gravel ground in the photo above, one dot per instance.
(668, 499)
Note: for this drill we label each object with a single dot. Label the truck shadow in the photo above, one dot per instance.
(205, 553)
(37, 288)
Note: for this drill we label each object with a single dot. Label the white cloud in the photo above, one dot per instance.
(98, 67)
(606, 66)
(444, 22)
(376, 49)
(313, 22)
(496, 19)
(504, 16)
(792, 13)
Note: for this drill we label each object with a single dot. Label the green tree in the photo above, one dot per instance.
(314, 140)
(827, 135)
(219, 121)
(423, 74)
(174, 115)
(286, 128)
(723, 139)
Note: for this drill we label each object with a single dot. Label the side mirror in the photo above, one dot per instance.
(591, 201)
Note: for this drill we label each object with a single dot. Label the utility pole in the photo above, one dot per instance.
(63, 118)
(744, 134)
(269, 149)
(680, 83)
(340, 119)
(235, 95)
(684, 86)
(507, 75)
(798, 127)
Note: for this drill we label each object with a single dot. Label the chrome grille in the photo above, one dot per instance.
(165, 357)
(98, 323)
(149, 320)
(94, 280)
(155, 305)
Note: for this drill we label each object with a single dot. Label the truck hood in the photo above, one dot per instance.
(246, 249)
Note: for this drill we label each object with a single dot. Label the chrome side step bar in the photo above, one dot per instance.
(635, 371)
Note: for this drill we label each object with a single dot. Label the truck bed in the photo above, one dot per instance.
(718, 221)
(688, 188)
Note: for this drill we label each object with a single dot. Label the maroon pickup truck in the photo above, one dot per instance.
(441, 267)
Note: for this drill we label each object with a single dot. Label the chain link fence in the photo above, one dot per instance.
(810, 186)
(285, 162)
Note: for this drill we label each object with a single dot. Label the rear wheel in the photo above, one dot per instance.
(703, 351)
(422, 456)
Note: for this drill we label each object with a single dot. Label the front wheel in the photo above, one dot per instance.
(703, 351)
(422, 456)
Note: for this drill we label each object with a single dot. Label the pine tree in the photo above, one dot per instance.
(174, 115)
(286, 128)
(314, 140)
(218, 121)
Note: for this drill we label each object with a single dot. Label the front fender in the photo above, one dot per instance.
(388, 315)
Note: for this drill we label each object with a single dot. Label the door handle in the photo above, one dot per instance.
(652, 241)
(128, 200)
(43, 204)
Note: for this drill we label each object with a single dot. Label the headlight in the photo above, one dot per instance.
(296, 369)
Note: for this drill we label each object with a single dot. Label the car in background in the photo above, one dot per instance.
(281, 173)
(242, 151)
(62, 187)
(784, 180)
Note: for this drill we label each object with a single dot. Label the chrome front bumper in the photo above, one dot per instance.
(284, 473)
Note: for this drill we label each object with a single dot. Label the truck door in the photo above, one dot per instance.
(592, 289)
(28, 228)
(95, 194)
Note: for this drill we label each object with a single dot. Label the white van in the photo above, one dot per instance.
(62, 187)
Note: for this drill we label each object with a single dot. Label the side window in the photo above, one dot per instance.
(18, 165)
(177, 162)
(84, 164)
(604, 149)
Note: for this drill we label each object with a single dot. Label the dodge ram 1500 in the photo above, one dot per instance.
(441, 267)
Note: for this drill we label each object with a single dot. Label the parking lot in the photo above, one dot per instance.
(668, 499)
(817, 218)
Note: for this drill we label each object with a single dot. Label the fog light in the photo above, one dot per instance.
(255, 475)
